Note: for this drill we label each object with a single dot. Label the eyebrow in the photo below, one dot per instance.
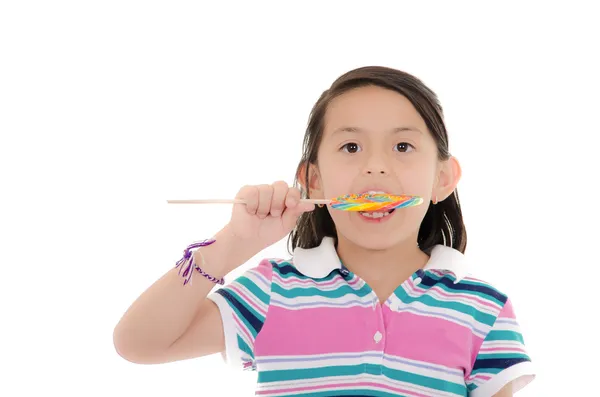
(359, 130)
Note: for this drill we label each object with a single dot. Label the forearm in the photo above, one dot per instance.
(165, 310)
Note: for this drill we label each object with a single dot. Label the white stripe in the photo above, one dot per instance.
(425, 369)
(310, 283)
(333, 384)
(502, 343)
(313, 302)
(233, 355)
(519, 374)
(442, 314)
(503, 325)
(297, 362)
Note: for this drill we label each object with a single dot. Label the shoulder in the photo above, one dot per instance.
(477, 302)
(467, 285)
(282, 268)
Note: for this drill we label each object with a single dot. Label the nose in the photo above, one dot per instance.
(376, 165)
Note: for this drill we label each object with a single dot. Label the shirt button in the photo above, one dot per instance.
(417, 280)
(377, 337)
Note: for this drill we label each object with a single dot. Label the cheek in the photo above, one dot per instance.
(336, 181)
(417, 181)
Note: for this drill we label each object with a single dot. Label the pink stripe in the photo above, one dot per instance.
(429, 339)
(453, 296)
(507, 311)
(481, 376)
(265, 267)
(370, 385)
(297, 332)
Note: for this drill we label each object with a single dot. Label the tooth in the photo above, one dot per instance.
(374, 214)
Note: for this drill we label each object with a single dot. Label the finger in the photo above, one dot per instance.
(265, 195)
(280, 190)
(250, 195)
(305, 207)
(293, 197)
(290, 216)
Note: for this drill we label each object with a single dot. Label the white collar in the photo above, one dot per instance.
(319, 261)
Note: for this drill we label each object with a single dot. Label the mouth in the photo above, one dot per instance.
(375, 215)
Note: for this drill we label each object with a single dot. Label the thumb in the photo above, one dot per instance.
(290, 215)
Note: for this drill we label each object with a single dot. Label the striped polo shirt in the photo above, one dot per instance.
(310, 327)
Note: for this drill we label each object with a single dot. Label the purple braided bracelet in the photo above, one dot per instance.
(188, 259)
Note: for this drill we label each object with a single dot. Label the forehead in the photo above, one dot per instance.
(372, 108)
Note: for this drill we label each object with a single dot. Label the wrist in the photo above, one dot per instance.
(227, 253)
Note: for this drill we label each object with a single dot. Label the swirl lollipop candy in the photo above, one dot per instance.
(374, 202)
(367, 202)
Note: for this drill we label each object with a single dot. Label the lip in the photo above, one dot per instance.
(375, 220)
(375, 189)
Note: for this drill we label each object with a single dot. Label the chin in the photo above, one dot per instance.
(374, 241)
(378, 236)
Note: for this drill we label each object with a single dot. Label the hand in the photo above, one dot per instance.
(270, 213)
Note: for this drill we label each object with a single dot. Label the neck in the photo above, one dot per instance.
(376, 265)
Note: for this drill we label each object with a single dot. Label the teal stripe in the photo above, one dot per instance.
(495, 335)
(426, 381)
(312, 373)
(244, 347)
(296, 292)
(484, 318)
(502, 356)
(493, 371)
(254, 289)
(309, 373)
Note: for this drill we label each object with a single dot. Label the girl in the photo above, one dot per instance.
(369, 304)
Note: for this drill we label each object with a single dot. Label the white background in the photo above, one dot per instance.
(110, 108)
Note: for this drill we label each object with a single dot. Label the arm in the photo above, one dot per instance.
(506, 391)
(501, 366)
(170, 321)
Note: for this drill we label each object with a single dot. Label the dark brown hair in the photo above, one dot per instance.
(443, 222)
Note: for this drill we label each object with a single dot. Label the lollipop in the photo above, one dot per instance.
(374, 202)
(367, 202)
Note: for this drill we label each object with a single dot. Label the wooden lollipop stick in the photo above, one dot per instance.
(239, 201)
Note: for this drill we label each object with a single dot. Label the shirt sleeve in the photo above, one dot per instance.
(501, 358)
(243, 304)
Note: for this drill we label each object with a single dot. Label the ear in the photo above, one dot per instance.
(449, 173)
(313, 184)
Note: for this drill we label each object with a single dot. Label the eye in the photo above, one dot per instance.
(351, 147)
(404, 147)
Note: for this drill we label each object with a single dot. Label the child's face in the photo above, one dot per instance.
(374, 139)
